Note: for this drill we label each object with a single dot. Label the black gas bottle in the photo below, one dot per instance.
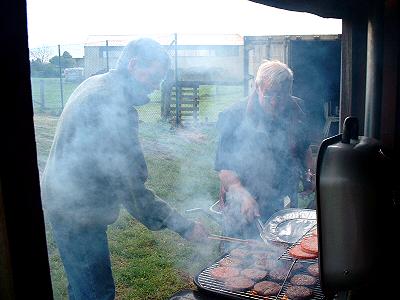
(353, 198)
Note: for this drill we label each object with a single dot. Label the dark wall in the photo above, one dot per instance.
(316, 66)
(27, 273)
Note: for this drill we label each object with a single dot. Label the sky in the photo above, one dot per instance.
(69, 22)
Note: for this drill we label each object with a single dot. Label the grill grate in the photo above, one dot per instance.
(205, 281)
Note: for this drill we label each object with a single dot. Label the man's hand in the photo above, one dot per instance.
(248, 205)
(198, 233)
(250, 209)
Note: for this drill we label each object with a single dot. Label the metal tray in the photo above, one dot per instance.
(289, 225)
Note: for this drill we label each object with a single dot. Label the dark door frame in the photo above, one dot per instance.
(24, 265)
(367, 57)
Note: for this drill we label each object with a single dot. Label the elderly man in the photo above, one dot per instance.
(96, 164)
(263, 150)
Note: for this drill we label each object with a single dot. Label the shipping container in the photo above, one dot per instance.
(316, 63)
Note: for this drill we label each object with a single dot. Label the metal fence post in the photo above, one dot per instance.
(107, 57)
(61, 82)
(246, 54)
(177, 90)
(41, 89)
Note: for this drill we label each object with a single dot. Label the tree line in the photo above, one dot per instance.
(43, 65)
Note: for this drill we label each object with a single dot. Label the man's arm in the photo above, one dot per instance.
(156, 214)
(129, 174)
(226, 160)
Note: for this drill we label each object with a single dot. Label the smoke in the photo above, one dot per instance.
(89, 158)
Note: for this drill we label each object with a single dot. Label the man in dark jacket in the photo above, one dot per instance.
(96, 164)
(263, 151)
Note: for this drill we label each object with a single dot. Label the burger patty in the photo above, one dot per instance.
(258, 256)
(297, 292)
(313, 269)
(255, 274)
(302, 279)
(222, 273)
(278, 274)
(267, 288)
(239, 253)
(264, 264)
(297, 267)
(230, 262)
(298, 252)
(310, 244)
(238, 283)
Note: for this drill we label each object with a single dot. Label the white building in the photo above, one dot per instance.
(217, 57)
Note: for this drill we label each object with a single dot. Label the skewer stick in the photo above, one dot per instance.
(229, 239)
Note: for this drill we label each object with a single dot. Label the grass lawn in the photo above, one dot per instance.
(51, 94)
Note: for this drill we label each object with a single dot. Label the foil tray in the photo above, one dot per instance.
(289, 225)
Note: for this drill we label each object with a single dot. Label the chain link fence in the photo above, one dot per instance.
(189, 95)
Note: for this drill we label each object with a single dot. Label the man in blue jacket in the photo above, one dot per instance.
(96, 164)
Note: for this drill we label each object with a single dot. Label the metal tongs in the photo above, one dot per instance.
(217, 216)
(261, 230)
(260, 226)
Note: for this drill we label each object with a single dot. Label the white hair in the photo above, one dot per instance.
(277, 76)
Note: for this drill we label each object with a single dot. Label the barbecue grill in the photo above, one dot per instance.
(204, 281)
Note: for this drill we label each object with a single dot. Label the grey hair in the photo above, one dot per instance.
(145, 51)
(277, 75)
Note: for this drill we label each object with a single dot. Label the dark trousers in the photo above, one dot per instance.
(85, 255)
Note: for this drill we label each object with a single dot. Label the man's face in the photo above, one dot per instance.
(149, 77)
(272, 100)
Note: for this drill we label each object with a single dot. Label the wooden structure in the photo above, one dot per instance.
(185, 104)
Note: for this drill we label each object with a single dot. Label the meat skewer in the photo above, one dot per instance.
(230, 239)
